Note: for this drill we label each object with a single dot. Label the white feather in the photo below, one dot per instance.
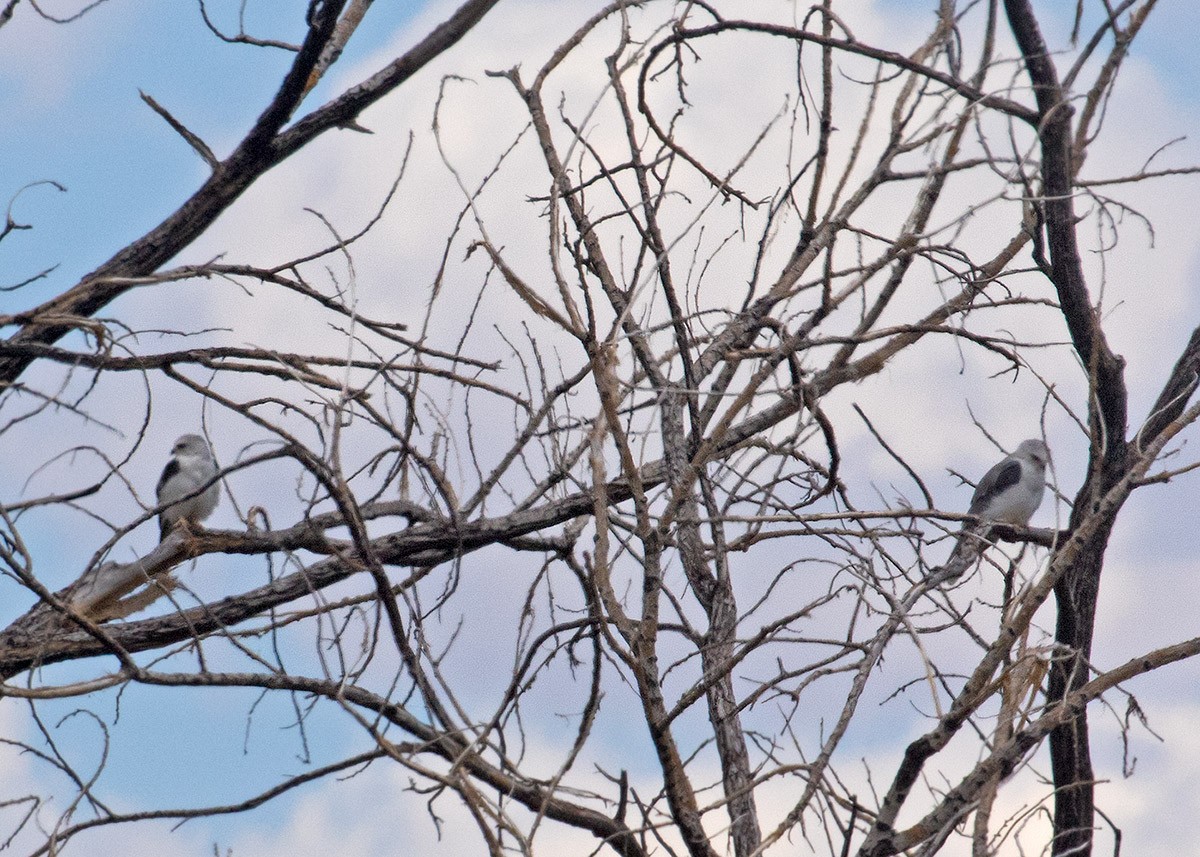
(1002, 499)
(186, 489)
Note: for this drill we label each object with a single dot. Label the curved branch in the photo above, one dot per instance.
(263, 148)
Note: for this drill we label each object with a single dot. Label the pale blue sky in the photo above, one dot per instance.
(73, 93)
(70, 95)
(80, 121)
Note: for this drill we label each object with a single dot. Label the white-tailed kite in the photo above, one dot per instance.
(186, 489)
(1011, 491)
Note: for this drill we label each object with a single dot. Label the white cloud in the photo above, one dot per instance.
(347, 174)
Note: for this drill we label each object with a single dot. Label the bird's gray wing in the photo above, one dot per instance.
(1004, 475)
(169, 471)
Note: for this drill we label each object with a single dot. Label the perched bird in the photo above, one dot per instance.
(187, 490)
(1012, 490)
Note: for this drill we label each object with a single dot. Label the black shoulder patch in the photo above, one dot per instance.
(170, 470)
(1009, 475)
(1003, 476)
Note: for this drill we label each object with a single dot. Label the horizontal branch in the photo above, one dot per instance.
(900, 61)
(264, 147)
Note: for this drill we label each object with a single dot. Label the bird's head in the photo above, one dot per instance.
(1035, 451)
(190, 446)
